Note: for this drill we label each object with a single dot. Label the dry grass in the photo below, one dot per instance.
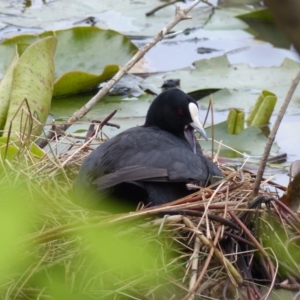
(217, 243)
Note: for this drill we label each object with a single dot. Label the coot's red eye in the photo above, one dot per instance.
(180, 112)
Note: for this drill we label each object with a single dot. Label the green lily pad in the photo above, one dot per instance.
(240, 84)
(124, 16)
(261, 15)
(263, 26)
(76, 81)
(250, 141)
(91, 50)
(85, 56)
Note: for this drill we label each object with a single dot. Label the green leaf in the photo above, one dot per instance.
(216, 21)
(240, 84)
(7, 49)
(262, 25)
(85, 56)
(80, 131)
(77, 81)
(235, 121)
(261, 112)
(88, 50)
(250, 141)
(262, 15)
(10, 149)
(33, 80)
(126, 16)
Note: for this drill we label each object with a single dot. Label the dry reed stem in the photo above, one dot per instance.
(194, 260)
(193, 288)
(218, 254)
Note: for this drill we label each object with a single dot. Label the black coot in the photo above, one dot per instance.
(150, 163)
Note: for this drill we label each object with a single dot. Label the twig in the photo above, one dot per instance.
(273, 134)
(194, 268)
(211, 102)
(93, 132)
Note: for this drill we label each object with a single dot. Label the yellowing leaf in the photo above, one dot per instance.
(33, 80)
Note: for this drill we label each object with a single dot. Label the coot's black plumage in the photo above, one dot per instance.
(150, 163)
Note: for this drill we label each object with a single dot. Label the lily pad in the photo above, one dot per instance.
(77, 81)
(125, 16)
(85, 56)
(240, 83)
(250, 141)
(263, 26)
(225, 19)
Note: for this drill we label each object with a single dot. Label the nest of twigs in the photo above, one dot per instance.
(218, 243)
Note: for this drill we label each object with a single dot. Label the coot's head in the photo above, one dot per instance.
(174, 111)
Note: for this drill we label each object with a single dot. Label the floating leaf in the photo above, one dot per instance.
(261, 14)
(262, 24)
(85, 56)
(10, 149)
(33, 80)
(89, 50)
(250, 141)
(77, 81)
(125, 16)
(240, 84)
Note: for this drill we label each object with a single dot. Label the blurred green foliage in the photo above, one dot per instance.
(52, 248)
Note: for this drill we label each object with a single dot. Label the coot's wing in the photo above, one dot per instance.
(149, 147)
(130, 174)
